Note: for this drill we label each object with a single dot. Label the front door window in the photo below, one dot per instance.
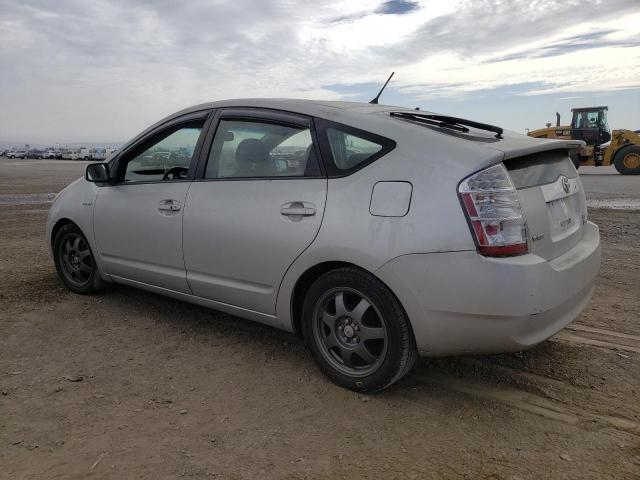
(168, 158)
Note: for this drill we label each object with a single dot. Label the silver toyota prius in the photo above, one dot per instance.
(376, 233)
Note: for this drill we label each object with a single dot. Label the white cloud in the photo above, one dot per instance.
(101, 70)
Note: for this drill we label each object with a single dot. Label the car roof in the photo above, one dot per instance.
(338, 111)
(297, 105)
(362, 115)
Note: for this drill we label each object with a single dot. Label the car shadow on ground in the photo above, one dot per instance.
(549, 359)
(558, 381)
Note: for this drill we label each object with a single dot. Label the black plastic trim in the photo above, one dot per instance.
(277, 116)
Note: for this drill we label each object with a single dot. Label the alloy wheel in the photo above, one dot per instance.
(75, 259)
(350, 331)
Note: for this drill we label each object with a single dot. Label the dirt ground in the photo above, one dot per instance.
(132, 385)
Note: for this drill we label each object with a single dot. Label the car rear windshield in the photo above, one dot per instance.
(540, 168)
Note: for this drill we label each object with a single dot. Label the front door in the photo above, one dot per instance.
(138, 220)
(258, 205)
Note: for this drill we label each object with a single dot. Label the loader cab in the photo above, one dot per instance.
(591, 125)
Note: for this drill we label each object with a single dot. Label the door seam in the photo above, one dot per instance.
(184, 212)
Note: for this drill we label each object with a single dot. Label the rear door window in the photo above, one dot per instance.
(260, 149)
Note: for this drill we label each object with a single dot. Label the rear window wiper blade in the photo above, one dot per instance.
(423, 119)
(454, 123)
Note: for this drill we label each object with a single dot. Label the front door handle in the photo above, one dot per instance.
(169, 206)
(297, 210)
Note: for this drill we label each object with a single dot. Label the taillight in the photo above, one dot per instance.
(494, 212)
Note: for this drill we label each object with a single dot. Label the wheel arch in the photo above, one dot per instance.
(61, 222)
(314, 272)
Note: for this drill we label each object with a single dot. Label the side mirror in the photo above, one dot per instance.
(97, 173)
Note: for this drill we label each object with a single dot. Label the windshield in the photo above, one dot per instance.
(593, 119)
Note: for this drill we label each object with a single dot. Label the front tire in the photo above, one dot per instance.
(627, 160)
(357, 331)
(75, 262)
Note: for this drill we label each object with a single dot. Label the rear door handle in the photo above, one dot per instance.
(169, 206)
(298, 209)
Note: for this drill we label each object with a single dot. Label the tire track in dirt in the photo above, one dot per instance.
(610, 333)
(606, 343)
(555, 391)
(530, 403)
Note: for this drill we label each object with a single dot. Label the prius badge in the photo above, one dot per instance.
(565, 183)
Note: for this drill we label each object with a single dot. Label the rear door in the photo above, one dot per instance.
(553, 201)
(257, 205)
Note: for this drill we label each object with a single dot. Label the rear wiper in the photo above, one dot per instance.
(445, 121)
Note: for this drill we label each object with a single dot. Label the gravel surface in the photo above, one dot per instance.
(127, 384)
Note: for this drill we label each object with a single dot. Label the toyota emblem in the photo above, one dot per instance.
(565, 184)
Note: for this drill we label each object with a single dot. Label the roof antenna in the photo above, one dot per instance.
(375, 100)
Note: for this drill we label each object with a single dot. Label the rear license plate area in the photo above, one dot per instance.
(564, 217)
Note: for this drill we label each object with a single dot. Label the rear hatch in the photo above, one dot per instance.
(552, 199)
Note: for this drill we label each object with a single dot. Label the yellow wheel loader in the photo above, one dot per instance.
(620, 147)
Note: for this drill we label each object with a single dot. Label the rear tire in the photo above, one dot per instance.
(627, 160)
(75, 262)
(357, 331)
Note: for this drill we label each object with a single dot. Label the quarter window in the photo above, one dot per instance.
(349, 150)
(256, 149)
(167, 158)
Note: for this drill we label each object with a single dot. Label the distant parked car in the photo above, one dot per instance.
(395, 233)
(84, 153)
(110, 151)
(98, 153)
(48, 154)
(17, 154)
(33, 153)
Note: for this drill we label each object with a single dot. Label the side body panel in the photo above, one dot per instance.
(76, 203)
(135, 240)
(238, 245)
(138, 224)
(435, 221)
(462, 302)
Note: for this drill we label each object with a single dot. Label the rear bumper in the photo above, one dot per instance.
(462, 302)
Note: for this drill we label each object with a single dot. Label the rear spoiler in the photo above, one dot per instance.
(512, 149)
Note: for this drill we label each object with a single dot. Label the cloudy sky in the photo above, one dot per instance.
(100, 71)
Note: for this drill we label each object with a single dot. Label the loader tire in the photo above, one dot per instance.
(627, 160)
